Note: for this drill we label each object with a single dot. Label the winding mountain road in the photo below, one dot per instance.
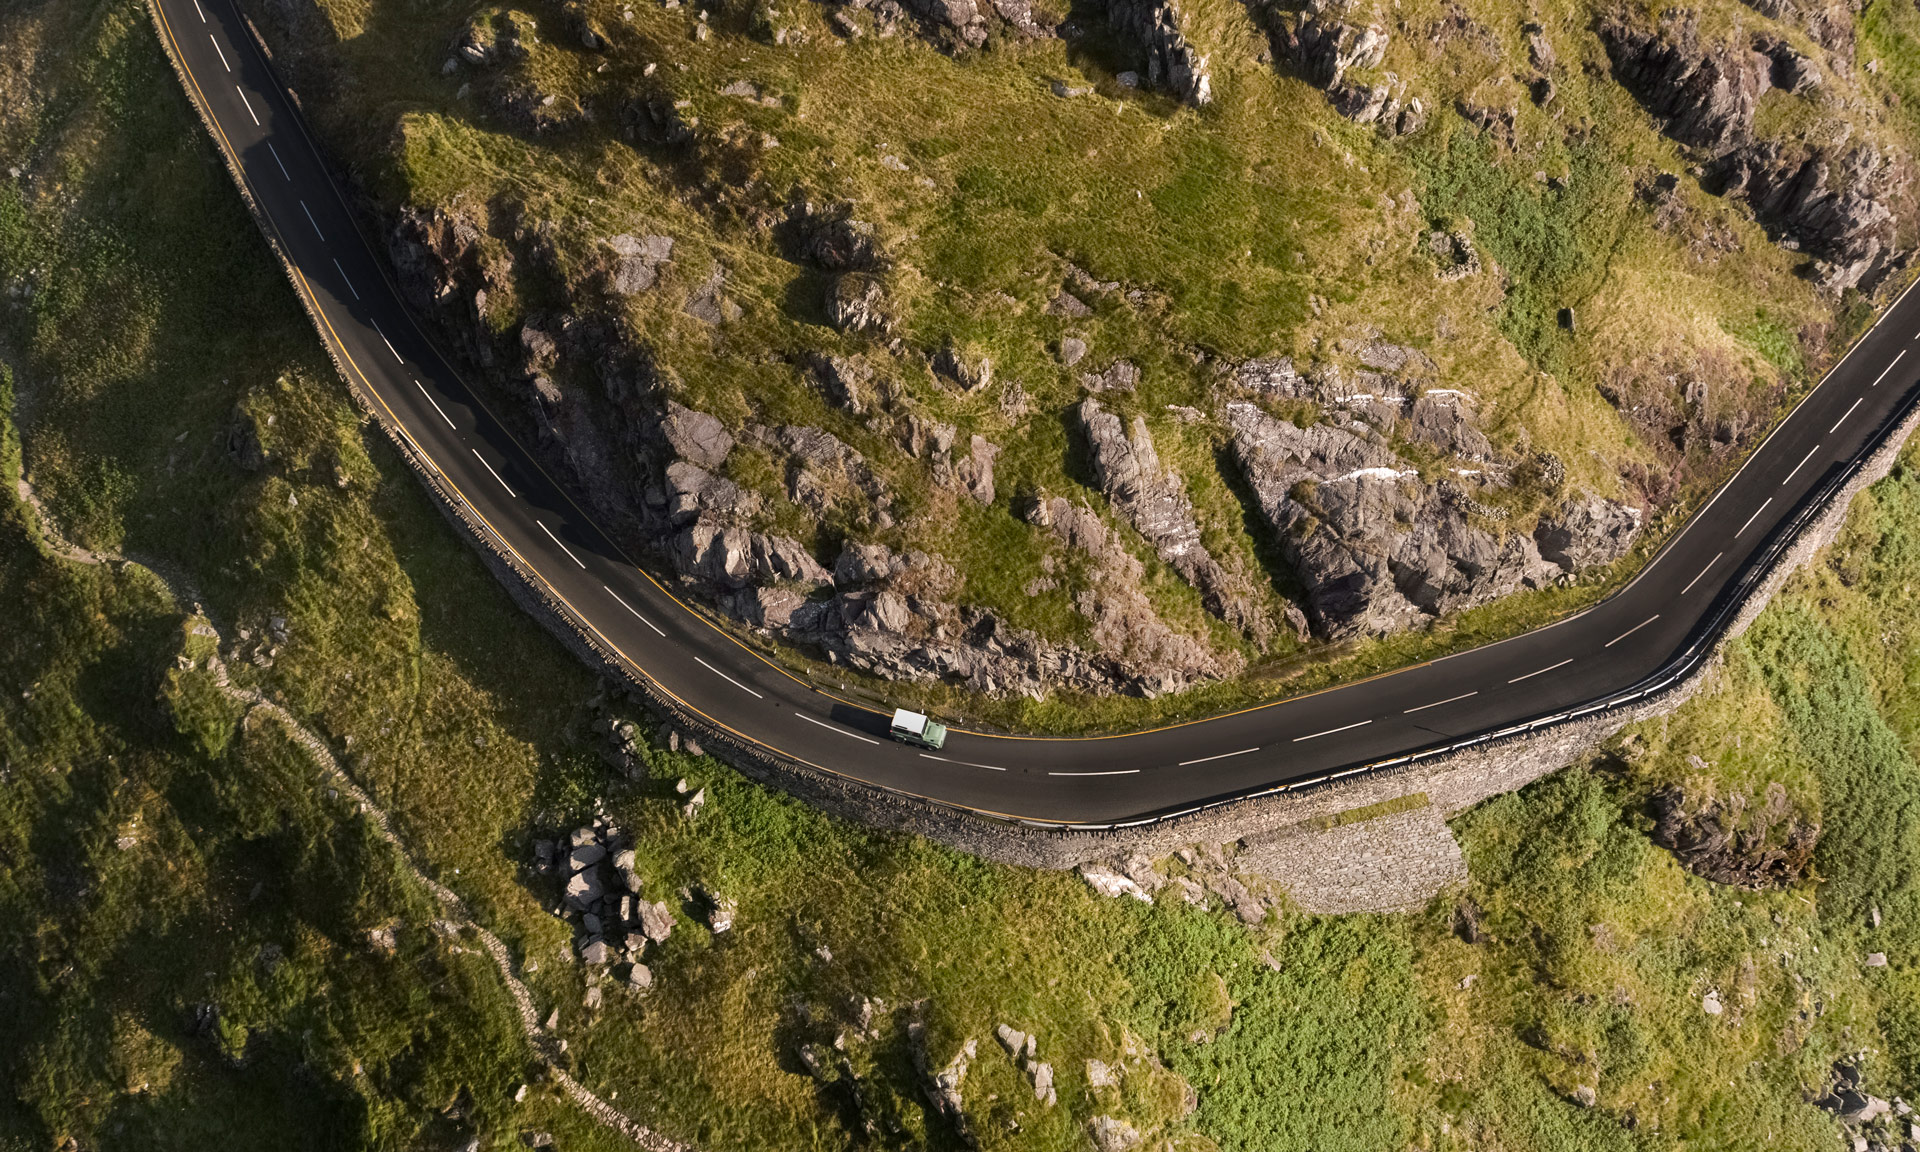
(1581, 663)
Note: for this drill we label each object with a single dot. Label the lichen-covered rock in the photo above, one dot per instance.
(1733, 840)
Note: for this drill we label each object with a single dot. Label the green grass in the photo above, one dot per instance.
(161, 316)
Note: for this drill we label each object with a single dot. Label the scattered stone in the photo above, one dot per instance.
(1109, 883)
(1111, 1135)
(1101, 1075)
(1072, 350)
(1710, 1003)
(1876, 959)
(639, 977)
(596, 953)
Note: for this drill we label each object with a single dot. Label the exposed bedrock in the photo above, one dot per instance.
(1830, 200)
(1152, 499)
(1376, 547)
(1156, 29)
(1322, 44)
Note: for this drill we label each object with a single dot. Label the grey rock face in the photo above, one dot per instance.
(1155, 502)
(734, 557)
(1323, 46)
(1828, 23)
(696, 436)
(1587, 533)
(637, 261)
(694, 492)
(1443, 417)
(975, 470)
(1119, 376)
(856, 302)
(846, 381)
(1832, 204)
(1706, 93)
(1377, 548)
(1173, 63)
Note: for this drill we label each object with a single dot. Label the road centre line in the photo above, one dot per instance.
(489, 468)
(1548, 668)
(633, 610)
(729, 679)
(216, 48)
(968, 763)
(196, 8)
(312, 221)
(442, 411)
(1331, 731)
(1221, 756)
(1889, 368)
(276, 159)
(1802, 464)
(1843, 419)
(349, 280)
(249, 104)
(556, 540)
(831, 728)
(1755, 516)
(1121, 772)
(383, 337)
(1703, 572)
(1437, 703)
(1631, 630)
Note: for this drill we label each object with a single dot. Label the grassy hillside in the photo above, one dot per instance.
(186, 914)
(1645, 343)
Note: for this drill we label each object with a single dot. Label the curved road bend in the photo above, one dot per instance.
(1587, 658)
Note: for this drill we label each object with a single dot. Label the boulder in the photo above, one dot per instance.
(1111, 1135)
(585, 856)
(693, 493)
(656, 920)
(583, 888)
(696, 437)
(846, 381)
(1110, 883)
(975, 470)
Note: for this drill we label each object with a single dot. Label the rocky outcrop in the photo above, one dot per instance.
(602, 897)
(1587, 533)
(1377, 548)
(1155, 28)
(1733, 840)
(636, 262)
(1831, 204)
(1706, 93)
(1831, 201)
(942, 1082)
(1151, 498)
(1828, 23)
(443, 271)
(1323, 45)
(696, 436)
(737, 558)
(890, 616)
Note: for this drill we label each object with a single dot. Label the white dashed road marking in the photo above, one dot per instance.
(1703, 572)
(1537, 672)
(249, 104)
(635, 611)
(1755, 516)
(1843, 419)
(442, 411)
(223, 55)
(1222, 756)
(563, 548)
(1437, 703)
(1121, 772)
(276, 159)
(1889, 368)
(1331, 731)
(495, 475)
(1797, 467)
(387, 342)
(968, 763)
(349, 280)
(1631, 630)
(312, 221)
(729, 679)
(832, 728)
(196, 8)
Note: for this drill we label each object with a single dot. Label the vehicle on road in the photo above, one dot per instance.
(915, 729)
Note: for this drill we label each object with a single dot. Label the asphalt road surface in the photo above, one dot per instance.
(1589, 658)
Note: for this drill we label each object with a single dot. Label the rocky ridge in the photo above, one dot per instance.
(1832, 200)
(1155, 28)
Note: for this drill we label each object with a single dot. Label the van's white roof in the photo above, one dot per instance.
(906, 721)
